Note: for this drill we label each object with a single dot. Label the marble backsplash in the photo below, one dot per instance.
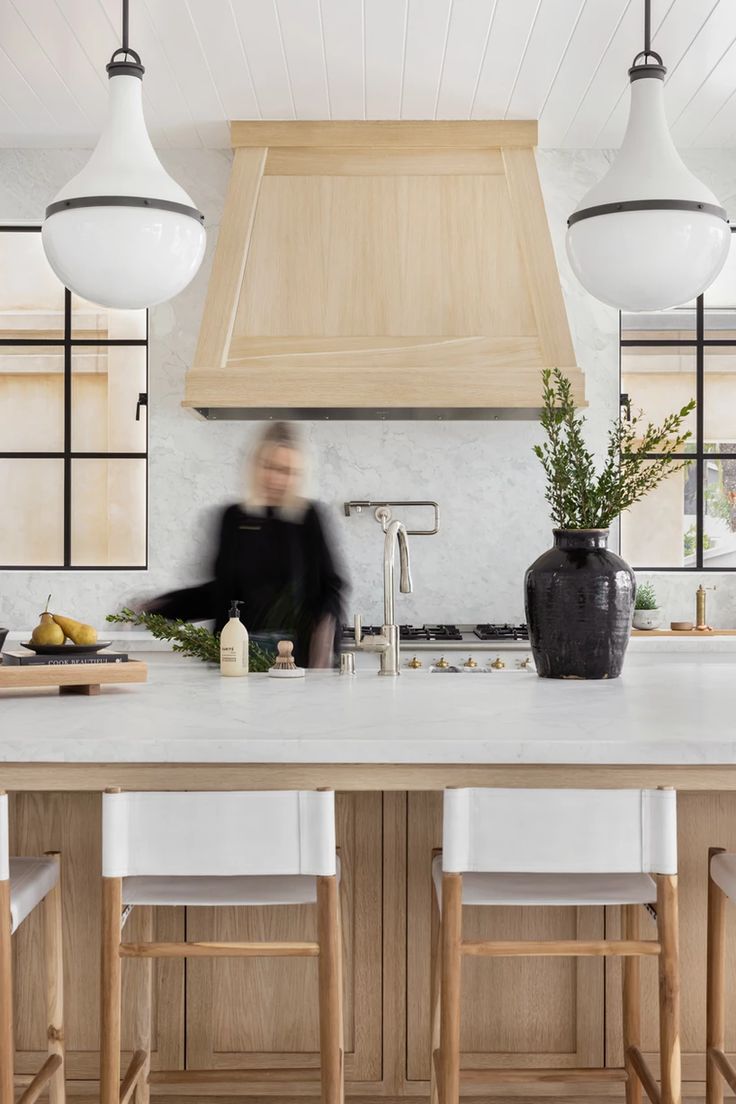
(483, 474)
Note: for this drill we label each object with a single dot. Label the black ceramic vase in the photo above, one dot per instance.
(579, 607)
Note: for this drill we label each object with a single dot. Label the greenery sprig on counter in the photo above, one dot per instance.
(189, 640)
(637, 458)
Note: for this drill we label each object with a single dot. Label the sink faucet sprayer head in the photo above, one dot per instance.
(405, 583)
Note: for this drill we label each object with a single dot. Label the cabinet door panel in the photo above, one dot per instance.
(515, 1012)
(704, 820)
(263, 1013)
(70, 823)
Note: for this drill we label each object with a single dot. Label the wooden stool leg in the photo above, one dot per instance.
(436, 968)
(142, 1019)
(52, 933)
(330, 1003)
(452, 890)
(7, 1053)
(340, 993)
(631, 1000)
(112, 903)
(669, 989)
(715, 991)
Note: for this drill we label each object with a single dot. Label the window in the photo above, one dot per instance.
(73, 426)
(667, 358)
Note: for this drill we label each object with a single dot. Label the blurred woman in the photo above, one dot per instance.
(274, 557)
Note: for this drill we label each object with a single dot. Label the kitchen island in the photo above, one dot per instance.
(667, 721)
(387, 746)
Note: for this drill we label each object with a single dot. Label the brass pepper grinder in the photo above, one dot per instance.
(701, 624)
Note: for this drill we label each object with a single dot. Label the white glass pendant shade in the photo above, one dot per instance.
(146, 243)
(673, 243)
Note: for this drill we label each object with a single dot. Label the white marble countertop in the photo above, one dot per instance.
(665, 709)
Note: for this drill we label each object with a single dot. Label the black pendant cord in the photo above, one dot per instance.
(126, 23)
(647, 26)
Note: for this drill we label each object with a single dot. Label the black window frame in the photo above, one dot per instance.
(698, 456)
(67, 344)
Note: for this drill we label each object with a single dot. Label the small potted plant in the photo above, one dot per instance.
(579, 595)
(646, 610)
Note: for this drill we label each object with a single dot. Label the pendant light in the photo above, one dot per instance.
(122, 233)
(649, 235)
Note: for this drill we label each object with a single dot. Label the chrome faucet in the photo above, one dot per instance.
(388, 643)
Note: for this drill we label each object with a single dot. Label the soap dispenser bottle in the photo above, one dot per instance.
(234, 644)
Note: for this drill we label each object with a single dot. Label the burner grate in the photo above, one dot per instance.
(410, 632)
(443, 632)
(501, 632)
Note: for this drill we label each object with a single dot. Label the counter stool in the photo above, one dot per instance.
(721, 887)
(209, 849)
(25, 884)
(568, 848)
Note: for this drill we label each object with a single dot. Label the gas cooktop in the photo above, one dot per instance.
(488, 633)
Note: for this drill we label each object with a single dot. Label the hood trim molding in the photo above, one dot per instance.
(367, 414)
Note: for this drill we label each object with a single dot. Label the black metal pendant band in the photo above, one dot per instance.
(647, 72)
(123, 201)
(647, 205)
(126, 67)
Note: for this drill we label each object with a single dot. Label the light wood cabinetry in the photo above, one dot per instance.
(248, 1016)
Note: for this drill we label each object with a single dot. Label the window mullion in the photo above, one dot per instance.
(699, 436)
(67, 427)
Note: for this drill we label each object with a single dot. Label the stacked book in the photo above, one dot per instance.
(28, 659)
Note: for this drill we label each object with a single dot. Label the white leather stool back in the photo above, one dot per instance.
(221, 834)
(560, 831)
(4, 839)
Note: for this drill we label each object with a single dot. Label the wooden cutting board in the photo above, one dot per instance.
(81, 678)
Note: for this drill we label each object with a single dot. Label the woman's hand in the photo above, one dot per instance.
(320, 646)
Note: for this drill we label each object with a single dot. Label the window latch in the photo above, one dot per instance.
(142, 401)
(625, 404)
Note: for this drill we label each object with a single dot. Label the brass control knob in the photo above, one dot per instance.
(470, 662)
(414, 663)
(442, 663)
(525, 664)
(498, 664)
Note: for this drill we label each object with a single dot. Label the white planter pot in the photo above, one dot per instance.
(647, 619)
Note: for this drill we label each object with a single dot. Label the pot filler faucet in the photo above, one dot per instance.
(387, 643)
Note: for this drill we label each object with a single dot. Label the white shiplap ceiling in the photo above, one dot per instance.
(208, 61)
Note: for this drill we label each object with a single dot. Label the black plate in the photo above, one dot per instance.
(68, 649)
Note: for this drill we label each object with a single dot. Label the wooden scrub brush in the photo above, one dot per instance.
(284, 666)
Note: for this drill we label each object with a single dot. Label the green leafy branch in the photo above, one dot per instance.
(190, 640)
(579, 496)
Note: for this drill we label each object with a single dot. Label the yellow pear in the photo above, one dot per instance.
(77, 631)
(47, 631)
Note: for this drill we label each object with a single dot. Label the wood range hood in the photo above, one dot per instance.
(381, 270)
